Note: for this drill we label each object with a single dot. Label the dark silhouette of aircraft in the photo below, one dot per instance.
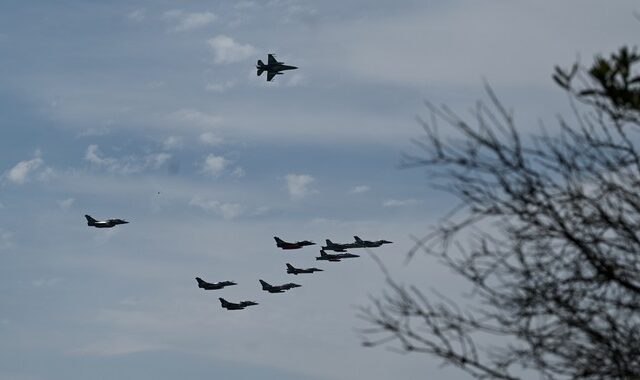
(334, 256)
(331, 246)
(215, 286)
(273, 67)
(277, 288)
(286, 245)
(235, 306)
(104, 223)
(293, 270)
(369, 244)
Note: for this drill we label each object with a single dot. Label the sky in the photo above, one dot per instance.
(151, 111)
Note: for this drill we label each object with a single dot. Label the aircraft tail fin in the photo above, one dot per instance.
(278, 240)
(90, 220)
(264, 284)
(223, 302)
(259, 72)
(329, 242)
(358, 239)
(200, 281)
(289, 266)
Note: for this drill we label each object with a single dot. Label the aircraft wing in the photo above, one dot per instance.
(270, 75)
(272, 60)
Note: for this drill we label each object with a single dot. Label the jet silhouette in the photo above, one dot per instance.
(286, 245)
(235, 306)
(215, 286)
(334, 256)
(293, 270)
(273, 67)
(277, 288)
(368, 244)
(103, 223)
(331, 246)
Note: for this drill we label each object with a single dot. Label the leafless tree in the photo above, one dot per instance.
(547, 234)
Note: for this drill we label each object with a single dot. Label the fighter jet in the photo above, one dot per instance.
(331, 246)
(215, 286)
(286, 245)
(293, 270)
(369, 244)
(235, 306)
(273, 67)
(334, 256)
(104, 223)
(278, 288)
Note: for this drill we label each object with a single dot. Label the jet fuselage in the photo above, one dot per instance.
(103, 223)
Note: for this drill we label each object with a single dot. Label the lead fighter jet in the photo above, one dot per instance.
(277, 288)
(215, 286)
(334, 256)
(293, 270)
(235, 306)
(286, 245)
(369, 244)
(104, 223)
(273, 67)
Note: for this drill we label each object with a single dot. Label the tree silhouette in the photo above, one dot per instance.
(547, 234)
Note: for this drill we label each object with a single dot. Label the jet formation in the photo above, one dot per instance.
(273, 67)
(103, 223)
(324, 256)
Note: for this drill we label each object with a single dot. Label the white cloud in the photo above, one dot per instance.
(6, 239)
(225, 209)
(156, 160)
(195, 117)
(359, 189)
(238, 172)
(189, 21)
(23, 171)
(220, 87)
(173, 142)
(401, 202)
(137, 15)
(298, 185)
(65, 204)
(230, 210)
(214, 165)
(93, 155)
(227, 50)
(125, 165)
(209, 138)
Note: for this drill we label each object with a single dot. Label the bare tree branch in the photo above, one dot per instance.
(546, 232)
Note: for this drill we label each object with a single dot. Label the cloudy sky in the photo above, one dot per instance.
(151, 111)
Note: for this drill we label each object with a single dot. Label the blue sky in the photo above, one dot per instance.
(151, 111)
